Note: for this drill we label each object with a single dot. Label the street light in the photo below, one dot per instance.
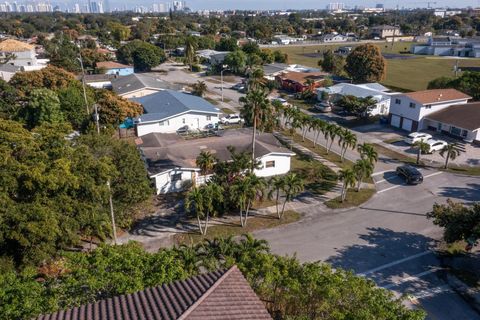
(221, 79)
(83, 81)
(112, 215)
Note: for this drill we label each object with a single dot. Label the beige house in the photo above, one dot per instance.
(385, 31)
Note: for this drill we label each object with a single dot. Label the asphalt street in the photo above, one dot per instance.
(388, 239)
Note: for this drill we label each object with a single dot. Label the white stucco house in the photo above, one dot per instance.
(408, 110)
(23, 57)
(140, 84)
(378, 92)
(167, 111)
(171, 160)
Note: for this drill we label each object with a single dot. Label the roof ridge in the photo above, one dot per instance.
(208, 292)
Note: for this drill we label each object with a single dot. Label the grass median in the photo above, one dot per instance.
(353, 199)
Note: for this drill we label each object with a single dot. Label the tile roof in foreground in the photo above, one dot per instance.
(217, 295)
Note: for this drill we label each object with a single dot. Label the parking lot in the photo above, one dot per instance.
(393, 139)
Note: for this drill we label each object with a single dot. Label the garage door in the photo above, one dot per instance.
(407, 124)
(395, 121)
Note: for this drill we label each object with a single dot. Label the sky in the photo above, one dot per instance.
(315, 4)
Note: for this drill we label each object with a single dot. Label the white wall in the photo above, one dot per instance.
(164, 183)
(24, 58)
(194, 121)
(282, 165)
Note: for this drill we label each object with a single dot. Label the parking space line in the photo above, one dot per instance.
(394, 263)
(379, 173)
(391, 188)
(411, 278)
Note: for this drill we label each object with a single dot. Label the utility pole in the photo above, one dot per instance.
(83, 79)
(96, 117)
(112, 215)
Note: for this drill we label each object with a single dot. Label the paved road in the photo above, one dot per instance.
(388, 239)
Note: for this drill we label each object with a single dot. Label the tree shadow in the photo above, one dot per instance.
(381, 246)
(470, 193)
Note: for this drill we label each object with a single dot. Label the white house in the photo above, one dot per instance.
(378, 92)
(167, 111)
(24, 55)
(408, 110)
(334, 38)
(460, 121)
(140, 84)
(171, 160)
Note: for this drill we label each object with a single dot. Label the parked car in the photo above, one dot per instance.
(282, 101)
(417, 136)
(183, 130)
(231, 119)
(213, 127)
(410, 174)
(436, 145)
(323, 107)
(239, 87)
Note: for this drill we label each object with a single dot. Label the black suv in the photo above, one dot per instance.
(411, 174)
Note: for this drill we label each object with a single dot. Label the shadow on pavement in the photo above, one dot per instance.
(381, 246)
(471, 193)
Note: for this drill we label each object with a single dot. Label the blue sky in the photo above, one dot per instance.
(313, 4)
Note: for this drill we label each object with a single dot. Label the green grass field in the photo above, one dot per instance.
(409, 74)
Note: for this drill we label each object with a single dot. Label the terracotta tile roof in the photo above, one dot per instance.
(11, 45)
(437, 95)
(111, 65)
(223, 294)
(301, 77)
(465, 116)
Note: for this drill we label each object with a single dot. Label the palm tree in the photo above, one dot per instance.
(199, 88)
(348, 140)
(255, 79)
(206, 162)
(249, 246)
(367, 151)
(190, 54)
(450, 151)
(305, 123)
(363, 168)
(194, 203)
(294, 184)
(242, 193)
(277, 184)
(347, 176)
(257, 107)
(335, 131)
(329, 127)
(422, 147)
(189, 258)
(318, 126)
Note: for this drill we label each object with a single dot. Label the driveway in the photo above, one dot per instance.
(388, 239)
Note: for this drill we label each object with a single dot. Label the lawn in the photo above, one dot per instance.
(223, 230)
(353, 199)
(409, 74)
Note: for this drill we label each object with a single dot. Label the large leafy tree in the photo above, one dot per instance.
(460, 222)
(332, 63)
(366, 64)
(468, 82)
(8, 101)
(143, 55)
(42, 106)
(113, 110)
(51, 77)
(236, 61)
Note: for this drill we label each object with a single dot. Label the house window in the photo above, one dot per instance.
(455, 131)
(270, 164)
(464, 133)
(398, 101)
(412, 105)
(209, 118)
(428, 106)
(161, 123)
(183, 120)
(176, 177)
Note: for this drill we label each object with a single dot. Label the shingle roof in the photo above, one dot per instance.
(11, 45)
(138, 81)
(167, 151)
(112, 65)
(167, 103)
(465, 116)
(223, 294)
(437, 95)
(272, 68)
(302, 77)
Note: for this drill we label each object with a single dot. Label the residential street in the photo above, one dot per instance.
(388, 239)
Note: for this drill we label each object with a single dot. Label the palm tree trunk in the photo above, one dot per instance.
(418, 155)
(246, 213)
(344, 192)
(200, 225)
(283, 207)
(359, 183)
(446, 160)
(304, 134)
(276, 203)
(206, 225)
(342, 153)
(241, 216)
(253, 140)
(315, 140)
(331, 144)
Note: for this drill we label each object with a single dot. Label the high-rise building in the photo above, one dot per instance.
(76, 8)
(335, 6)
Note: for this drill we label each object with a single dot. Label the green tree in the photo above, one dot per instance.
(277, 184)
(366, 64)
(348, 140)
(460, 222)
(293, 185)
(206, 162)
(332, 63)
(348, 178)
(467, 82)
(199, 88)
(367, 151)
(422, 147)
(42, 106)
(450, 151)
(9, 105)
(236, 61)
(190, 51)
(119, 32)
(143, 55)
(72, 105)
(227, 44)
(256, 108)
(363, 169)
